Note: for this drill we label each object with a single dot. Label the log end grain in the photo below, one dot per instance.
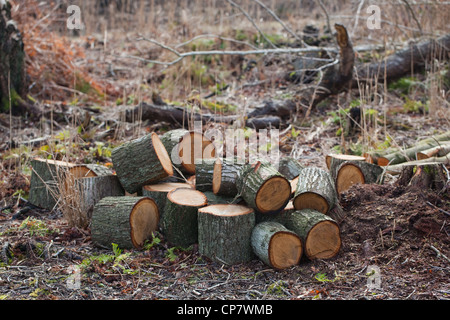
(273, 195)
(285, 250)
(348, 175)
(323, 240)
(144, 219)
(311, 200)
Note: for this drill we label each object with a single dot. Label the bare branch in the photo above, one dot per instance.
(215, 36)
(252, 21)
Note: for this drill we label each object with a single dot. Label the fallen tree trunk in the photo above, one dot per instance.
(125, 221)
(224, 233)
(405, 62)
(438, 151)
(140, 162)
(397, 168)
(275, 245)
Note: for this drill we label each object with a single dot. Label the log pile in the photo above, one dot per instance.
(234, 211)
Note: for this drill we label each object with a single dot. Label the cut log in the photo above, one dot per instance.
(289, 167)
(51, 178)
(225, 177)
(185, 147)
(179, 222)
(438, 151)
(342, 158)
(264, 189)
(140, 162)
(204, 170)
(320, 234)
(275, 245)
(159, 192)
(125, 221)
(217, 199)
(315, 190)
(87, 192)
(294, 183)
(397, 169)
(224, 233)
(399, 156)
(346, 174)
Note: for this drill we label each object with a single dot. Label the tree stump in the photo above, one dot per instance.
(184, 147)
(224, 233)
(125, 221)
(348, 172)
(204, 170)
(140, 162)
(315, 190)
(159, 192)
(179, 222)
(275, 245)
(264, 189)
(320, 234)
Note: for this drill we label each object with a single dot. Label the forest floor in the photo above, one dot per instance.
(400, 231)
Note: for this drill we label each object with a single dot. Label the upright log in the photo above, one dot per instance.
(275, 245)
(159, 192)
(51, 178)
(125, 221)
(320, 234)
(179, 222)
(224, 233)
(264, 189)
(140, 162)
(315, 190)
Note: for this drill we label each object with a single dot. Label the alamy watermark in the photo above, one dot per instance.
(73, 282)
(74, 20)
(373, 274)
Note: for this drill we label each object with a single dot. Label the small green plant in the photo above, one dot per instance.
(36, 227)
(155, 241)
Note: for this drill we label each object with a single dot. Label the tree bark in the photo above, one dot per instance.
(289, 167)
(315, 190)
(125, 221)
(224, 233)
(350, 172)
(179, 222)
(204, 171)
(140, 162)
(275, 245)
(264, 189)
(226, 174)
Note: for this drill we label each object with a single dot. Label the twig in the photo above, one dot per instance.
(252, 21)
(358, 11)
(209, 35)
(281, 22)
(326, 15)
(441, 210)
(439, 254)
(414, 16)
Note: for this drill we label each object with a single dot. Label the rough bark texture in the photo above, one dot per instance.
(217, 199)
(137, 163)
(320, 234)
(225, 177)
(224, 235)
(171, 141)
(204, 169)
(93, 189)
(339, 158)
(315, 190)
(425, 177)
(179, 222)
(275, 245)
(264, 189)
(12, 61)
(289, 167)
(125, 221)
